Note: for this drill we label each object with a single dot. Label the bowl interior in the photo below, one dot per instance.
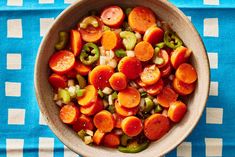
(178, 22)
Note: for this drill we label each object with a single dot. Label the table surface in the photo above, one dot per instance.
(22, 129)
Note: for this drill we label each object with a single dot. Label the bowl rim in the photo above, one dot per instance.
(52, 126)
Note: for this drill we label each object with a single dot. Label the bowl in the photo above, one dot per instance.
(178, 22)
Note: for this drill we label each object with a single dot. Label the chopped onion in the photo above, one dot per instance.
(141, 90)
(103, 60)
(71, 83)
(171, 77)
(130, 53)
(133, 84)
(138, 35)
(155, 101)
(106, 104)
(88, 139)
(112, 63)
(72, 91)
(164, 112)
(102, 51)
(55, 97)
(59, 103)
(107, 90)
(110, 100)
(110, 54)
(118, 131)
(142, 102)
(89, 132)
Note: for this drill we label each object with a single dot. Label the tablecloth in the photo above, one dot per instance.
(23, 133)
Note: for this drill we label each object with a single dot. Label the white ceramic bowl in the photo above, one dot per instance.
(196, 102)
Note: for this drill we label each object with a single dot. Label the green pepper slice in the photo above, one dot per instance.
(124, 140)
(81, 81)
(120, 53)
(160, 45)
(134, 147)
(129, 39)
(100, 93)
(143, 94)
(114, 95)
(158, 109)
(64, 95)
(111, 108)
(128, 11)
(90, 20)
(63, 40)
(172, 40)
(149, 105)
(90, 54)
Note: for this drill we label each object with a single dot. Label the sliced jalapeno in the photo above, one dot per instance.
(158, 109)
(90, 54)
(90, 20)
(100, 93)
(106, 28)
(127, 11)
(126, 27)
(80, 92)
(63, 40)
(120, 53)
(149, 105)
(129, 39)
(134, 147)
(114, 95)
(81, 81)
(64, 95)
(160, 45)
(124, 140)
(172, 40)
(82, 134)
(143, 94)
(111, 108)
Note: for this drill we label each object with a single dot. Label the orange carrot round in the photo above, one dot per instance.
(155, 88)
(132, 126)
(130, 66)
(93, 108)
(111, 140)
(100, 75)
(178, 56)
(183, 88)
(144, 51)
(177, 111)
(71, 73)
(125, 111)
(89, 96)
(69, 114)
(75, 42)
(104, 121)
(98, 136)
(118, 120)
(166, 70)
(153, 35)
(81, 68)
(186, 73)
(110, 40)
(141, 18)
(129, 97)
(112, 16)
(57, 81)
(118, 81)
(156, 126)
(150, 75)
(167, 96)
(62, 61)
(83, 123)
(141, 83)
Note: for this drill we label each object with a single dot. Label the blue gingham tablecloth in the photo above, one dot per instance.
(23, 133)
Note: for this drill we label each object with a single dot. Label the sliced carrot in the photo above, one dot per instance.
(153, 35)
(111, 140)
(125, 111)
(76, 42)
(92, 108)
(118, 120)
(132, 126)
(167, 96)
(89, 96)
(62, 61)
(141, 83)
(81, 68)
(166, 70)
(130, 66)
(110, 40)
(129, 97)
(177, 111)
(155, 88)
(57, 81)
(118, 81)
(69, 114)
(164, 55)
(104, 121)
(156, 126)
(92, 34)
(83, 123)
(100, 75)
(98, 136)
(113, 16)
(186, 73)
(141, 18)
(71, 73)
(150, 75)
(144, 51)
(183, 88)
(178, 56)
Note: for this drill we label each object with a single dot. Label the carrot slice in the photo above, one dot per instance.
(129, 97)
(110, 40)
(177, 111)
(76, 42)
(186, 73)
(92, 34)
(98, 136)
(153, 35)
(125, 111)
(183, 88)
(118, 120)
(118, 81)
(167, 96)
(156, 126)
(155, 88)
(112, 16)
(71, 73)
(62, 61)
(141, 83)
(132, 126)
(130, 66)
(100, 75)
(89, 96)
(69, 114)
(141, 18)
(166, 70)
(144, 51)
(92, 108)
(81, 68)
(164, 55)
(178, 56)
(83, 123)
(57, 81)
(104, 121)
(111, 140)
(150, 75)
